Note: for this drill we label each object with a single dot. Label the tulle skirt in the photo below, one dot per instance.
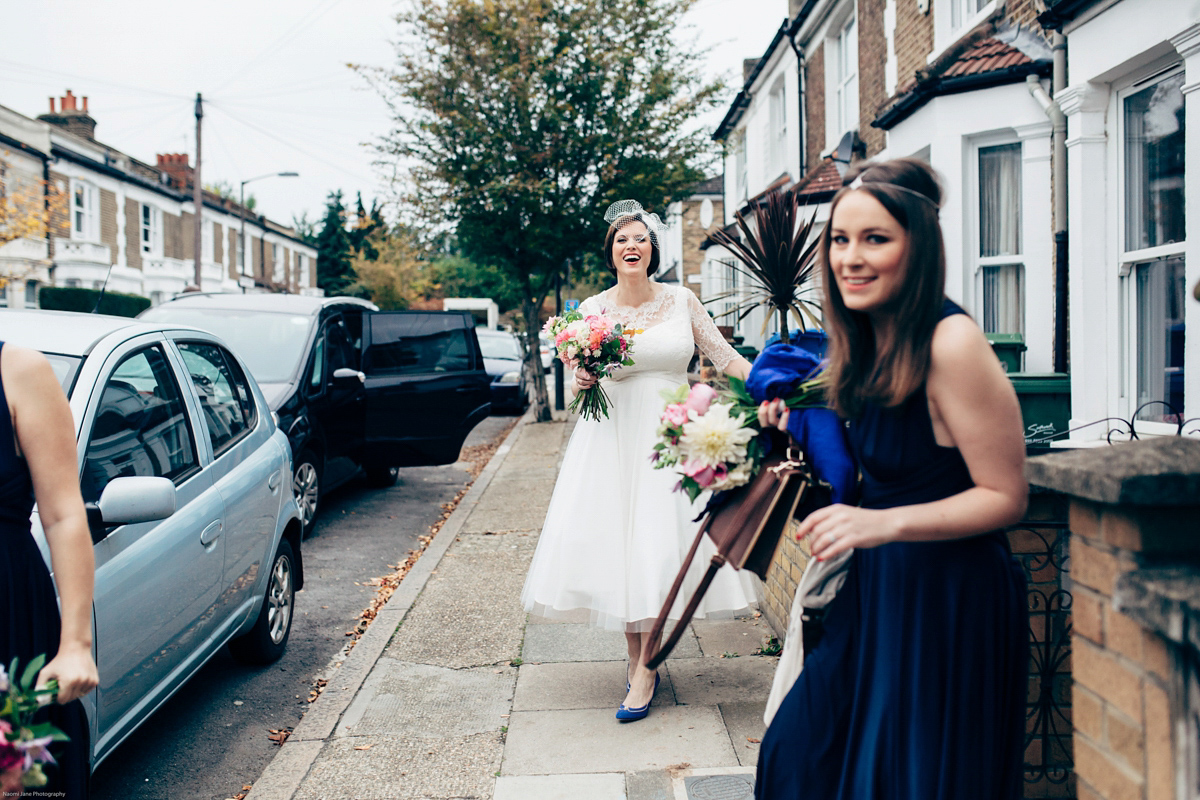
(616, 532)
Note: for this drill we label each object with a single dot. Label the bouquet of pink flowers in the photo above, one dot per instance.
(24, 746)
(595, 343)
(711, 439)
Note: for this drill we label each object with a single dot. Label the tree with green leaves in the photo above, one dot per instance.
(335, 272)
(525, 119)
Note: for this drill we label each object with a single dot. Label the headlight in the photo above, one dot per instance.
(510, 377)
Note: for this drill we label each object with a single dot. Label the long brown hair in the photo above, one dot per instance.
(858, 370)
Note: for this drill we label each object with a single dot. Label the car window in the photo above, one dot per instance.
(316, 378)
(419, 343)
(341, 350)
(501, 347)
(225, 396)
(140, 426)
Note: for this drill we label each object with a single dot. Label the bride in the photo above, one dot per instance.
(615, 532)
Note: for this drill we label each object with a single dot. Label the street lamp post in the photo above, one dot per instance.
(242, 206)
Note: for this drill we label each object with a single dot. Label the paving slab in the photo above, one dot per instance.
(568, 685)
(470, 613)
(709, 681)
(398, 768)
(591, 740)
(419, 701)
(607, 786)
(511, 505)
(744, 721)
(743, 636)
(579, 616)
(652, 784)
(577, 642)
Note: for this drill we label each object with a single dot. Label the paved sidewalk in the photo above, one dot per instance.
(454, 693)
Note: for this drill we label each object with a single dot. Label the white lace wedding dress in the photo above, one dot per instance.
(616, 533)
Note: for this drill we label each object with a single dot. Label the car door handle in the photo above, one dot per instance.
(210, 533)
(273, 481)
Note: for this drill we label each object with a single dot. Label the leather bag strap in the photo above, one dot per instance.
(658, 653)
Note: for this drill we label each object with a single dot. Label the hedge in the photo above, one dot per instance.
(63, 298)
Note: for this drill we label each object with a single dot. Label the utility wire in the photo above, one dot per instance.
(313, 14)
(87, 79)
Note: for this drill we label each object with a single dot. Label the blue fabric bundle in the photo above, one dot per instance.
(775, 374)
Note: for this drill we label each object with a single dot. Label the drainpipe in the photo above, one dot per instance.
(1059, 142)
(800, 109)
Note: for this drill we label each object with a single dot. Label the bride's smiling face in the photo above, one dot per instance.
(632, 249)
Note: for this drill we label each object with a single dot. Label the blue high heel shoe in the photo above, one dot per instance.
(633, 714)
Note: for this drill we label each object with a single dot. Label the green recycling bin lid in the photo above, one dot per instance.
(1006, 339)
(1041, 382)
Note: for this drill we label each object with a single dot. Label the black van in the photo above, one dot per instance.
(353, 387)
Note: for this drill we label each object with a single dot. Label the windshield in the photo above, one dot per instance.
(64, 368)
(271, 344)
(503, 347)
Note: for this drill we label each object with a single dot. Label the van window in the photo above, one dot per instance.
(419, 343)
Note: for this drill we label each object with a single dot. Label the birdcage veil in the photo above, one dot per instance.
(624, 211)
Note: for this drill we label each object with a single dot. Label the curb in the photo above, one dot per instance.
(288, 769)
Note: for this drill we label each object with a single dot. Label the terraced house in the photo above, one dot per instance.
(131, 223)
(1073, 244)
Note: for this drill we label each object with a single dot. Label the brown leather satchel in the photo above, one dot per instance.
(746, 529)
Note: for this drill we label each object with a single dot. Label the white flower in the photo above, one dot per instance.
(715, 438)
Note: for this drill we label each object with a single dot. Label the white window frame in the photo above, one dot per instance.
(841, 117)
(741, 167)
(302, 263)
(276, 252)
(150, 230)
(1128, 260)
(777, 132)
(207, 240)
(979, 262)
(946, 33)
(85, 219)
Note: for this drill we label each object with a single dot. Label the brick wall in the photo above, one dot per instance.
(185, 235)
(268, 263)
(253, 246)
(218, 243)
(694, 235)
(1123, 672)
(1024, 12)
(814, 99)
(133, 233)
(872, 86)
(913, 41)
(234, 266)
(108, 221)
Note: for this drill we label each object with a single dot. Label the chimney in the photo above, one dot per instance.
(70, 117)
(177, 167)
(748, 65)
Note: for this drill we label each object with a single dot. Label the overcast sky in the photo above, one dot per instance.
(278, 94)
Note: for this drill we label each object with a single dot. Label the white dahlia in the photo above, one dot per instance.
(715, 438)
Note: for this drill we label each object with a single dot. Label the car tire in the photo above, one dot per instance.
(266, 641)
(306, 486)
(382, 477)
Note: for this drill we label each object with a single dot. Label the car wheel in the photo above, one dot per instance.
(382, 477)
(306, 485)
(266, 641)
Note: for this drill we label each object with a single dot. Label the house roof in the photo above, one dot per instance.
(714, 185)
(991, 57)
(821, 182)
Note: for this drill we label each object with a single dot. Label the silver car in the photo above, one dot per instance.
(187, 483)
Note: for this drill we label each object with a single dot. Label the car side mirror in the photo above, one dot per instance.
(131, 499)
(345, 374)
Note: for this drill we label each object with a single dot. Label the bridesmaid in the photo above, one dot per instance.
(37, 461)
(917, 690)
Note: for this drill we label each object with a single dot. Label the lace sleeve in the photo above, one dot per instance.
(590, 306)
(705, 332)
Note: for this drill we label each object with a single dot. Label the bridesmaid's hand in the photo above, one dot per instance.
(75, 672)
(837, 528)
(773, 414)
(585, 379)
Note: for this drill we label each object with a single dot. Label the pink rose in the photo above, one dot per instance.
(10, 756)
(675, 414)
(700, 398)
(704, 475)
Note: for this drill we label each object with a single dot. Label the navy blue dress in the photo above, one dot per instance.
(29, 620)
(917, 690)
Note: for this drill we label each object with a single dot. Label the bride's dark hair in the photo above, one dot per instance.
(611, 236)
(858, 370)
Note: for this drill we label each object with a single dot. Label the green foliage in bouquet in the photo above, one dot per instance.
(24, 743)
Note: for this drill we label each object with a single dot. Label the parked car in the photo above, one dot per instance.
(353, 387)
(504, 364)
(184, 473)
(548, 352)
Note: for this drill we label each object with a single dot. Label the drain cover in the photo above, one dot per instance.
(720, 787)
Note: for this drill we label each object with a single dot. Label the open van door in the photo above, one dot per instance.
(426, 386)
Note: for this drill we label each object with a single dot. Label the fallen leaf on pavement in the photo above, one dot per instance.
(280, 735)
(753, 739)
(363, 746)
